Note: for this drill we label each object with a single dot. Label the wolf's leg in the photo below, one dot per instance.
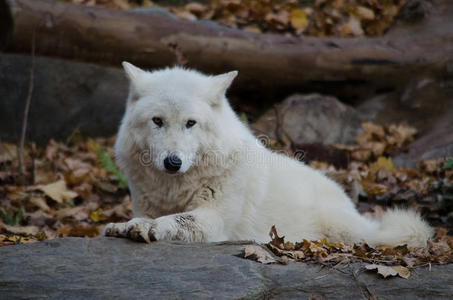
(199, 225)
(138, 229)
(115, 229)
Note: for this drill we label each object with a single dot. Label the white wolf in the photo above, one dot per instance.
(196, 173)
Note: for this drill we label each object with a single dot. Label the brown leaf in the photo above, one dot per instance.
(387, 271)
(28, 230)
(196, 8)
(352, 28)
(260, 254)
(79, 231)
(364, 13)
(252, 29)
(402, 271)
(57, 191)
(373, 189)
(402, 133)
(361, 155)
(275, 239)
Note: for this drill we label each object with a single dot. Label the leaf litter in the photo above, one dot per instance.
(341, 18)
(70, 189)
(387, 261)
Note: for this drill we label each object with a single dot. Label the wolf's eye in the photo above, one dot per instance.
(190, 123)
(158, 121)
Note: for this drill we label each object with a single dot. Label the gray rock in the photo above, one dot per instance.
(67, 96)
(106, 268)
(311, 118)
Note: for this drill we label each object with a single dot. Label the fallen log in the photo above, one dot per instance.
(346, 67)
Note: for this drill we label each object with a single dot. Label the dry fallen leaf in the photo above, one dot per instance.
(40, 202)
(58, 191)
(383, 163)
(299, 19)
(352, 28)
(387, 271)
(402, 271)
(261, 254)
(97, 215)
(27, 230)
(364, 13)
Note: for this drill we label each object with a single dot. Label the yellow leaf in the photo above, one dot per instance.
(299, 19)
(14, 238)
(383, 163)
(97, 215)
(58, 191)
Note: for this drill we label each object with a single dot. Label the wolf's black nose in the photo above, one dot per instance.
(172, 163)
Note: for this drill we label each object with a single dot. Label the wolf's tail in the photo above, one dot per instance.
(400, 227)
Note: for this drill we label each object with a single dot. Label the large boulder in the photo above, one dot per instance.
(314, 118)
(67, 96)
(110, 268)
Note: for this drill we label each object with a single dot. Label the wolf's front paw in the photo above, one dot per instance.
(141, 230)
(115, 229)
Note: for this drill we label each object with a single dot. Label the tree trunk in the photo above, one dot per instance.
(346, 67)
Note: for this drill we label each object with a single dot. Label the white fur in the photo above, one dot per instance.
(229, 186)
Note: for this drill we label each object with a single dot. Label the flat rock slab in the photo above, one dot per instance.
(110, 268)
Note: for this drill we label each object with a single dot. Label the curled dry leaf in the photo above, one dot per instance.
(26, 230)
(58, 191)
(259, 254)
(387, 271)
(275, 239)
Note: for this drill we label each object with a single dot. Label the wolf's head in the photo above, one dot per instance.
(175, 114)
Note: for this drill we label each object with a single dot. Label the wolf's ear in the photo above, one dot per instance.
(221, 83)
(132, 71)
